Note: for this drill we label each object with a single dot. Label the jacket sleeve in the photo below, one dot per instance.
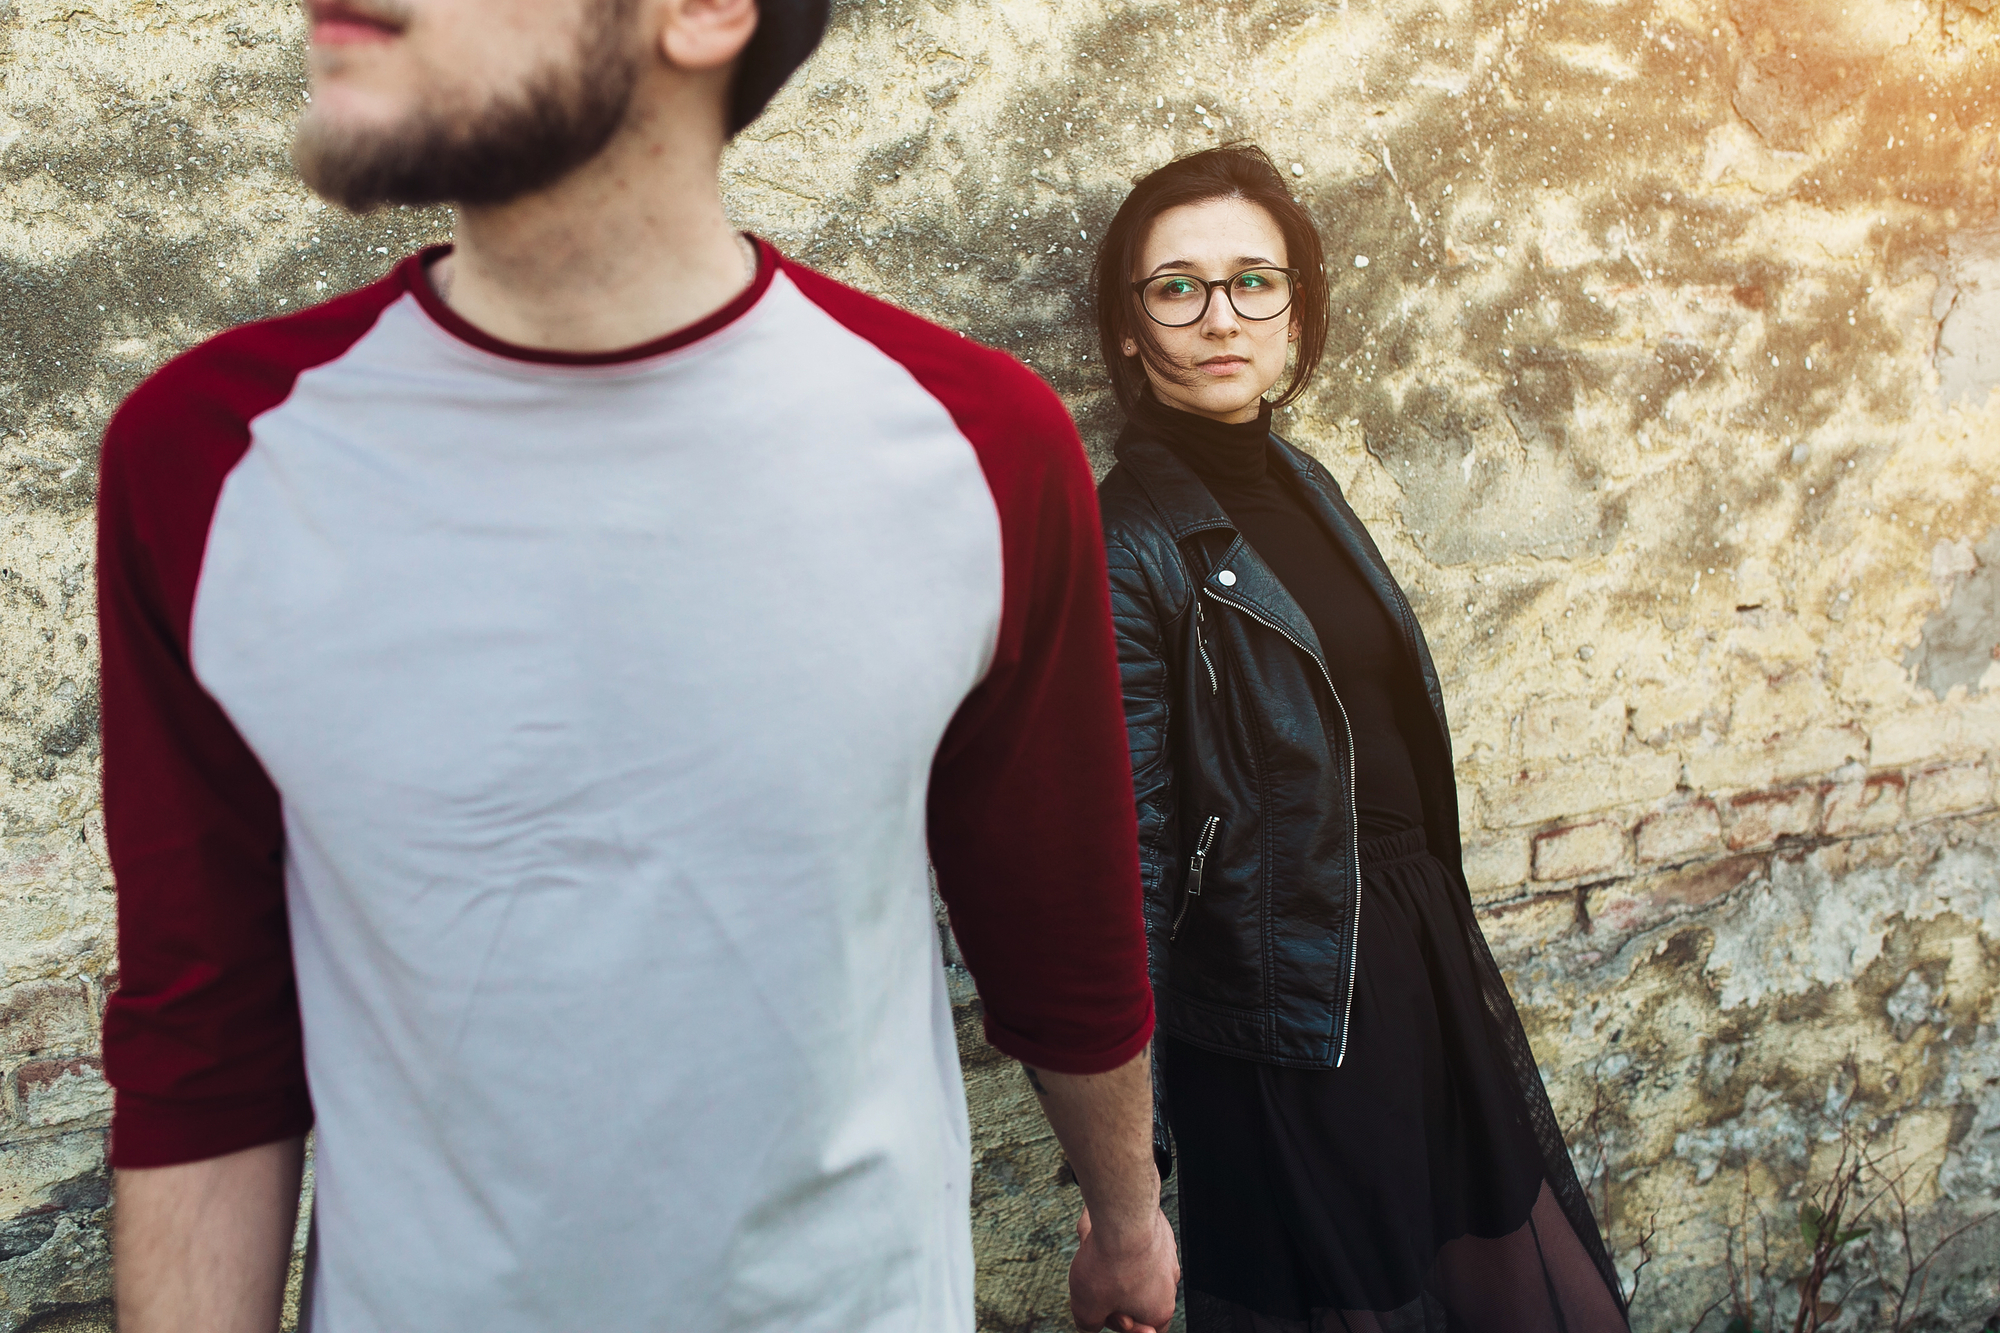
(1142, 674)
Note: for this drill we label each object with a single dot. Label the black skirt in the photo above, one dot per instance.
(1423, 1185)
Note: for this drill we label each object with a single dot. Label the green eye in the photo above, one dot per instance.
(1251, 282)
(1177, 287)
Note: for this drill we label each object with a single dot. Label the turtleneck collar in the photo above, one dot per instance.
(1218, 451)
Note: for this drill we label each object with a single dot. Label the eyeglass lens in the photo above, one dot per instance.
(1175, 299)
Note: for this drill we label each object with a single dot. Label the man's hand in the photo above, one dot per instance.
(1104, 1284)
(1125, 1269)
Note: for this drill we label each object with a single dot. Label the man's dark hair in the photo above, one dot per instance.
(1233, 171)
(787, 31)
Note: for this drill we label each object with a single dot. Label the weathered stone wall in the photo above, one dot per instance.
(1663, 364)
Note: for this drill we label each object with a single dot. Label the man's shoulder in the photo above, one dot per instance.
(982, 387)
(203, 400)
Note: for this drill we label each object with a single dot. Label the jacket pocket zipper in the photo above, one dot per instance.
(1195, 866)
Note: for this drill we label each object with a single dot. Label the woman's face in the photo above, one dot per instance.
(1231, 361)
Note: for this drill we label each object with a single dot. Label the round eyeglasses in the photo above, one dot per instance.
(1177, 300)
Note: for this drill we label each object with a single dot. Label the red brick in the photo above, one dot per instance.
(1681, 833)
(1871, 806)
(46, 1016)
(56, 1092)
(1758, 819)
(1636, 904)
(1579, 849)
(1516, 928)
(1950, 790)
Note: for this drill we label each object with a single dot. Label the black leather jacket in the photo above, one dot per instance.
(1242, 764)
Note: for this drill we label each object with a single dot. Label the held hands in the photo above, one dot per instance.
(1129, 1286)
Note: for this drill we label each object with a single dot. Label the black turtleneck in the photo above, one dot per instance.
(1364, 652)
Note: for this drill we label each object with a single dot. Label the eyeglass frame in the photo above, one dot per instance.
(1208, 297)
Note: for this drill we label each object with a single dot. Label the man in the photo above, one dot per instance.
(531, 685)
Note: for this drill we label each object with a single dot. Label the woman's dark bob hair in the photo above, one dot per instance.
(1232, 171)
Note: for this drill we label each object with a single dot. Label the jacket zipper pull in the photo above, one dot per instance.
(1214, 685)
(1195, 864)
(1193, 892)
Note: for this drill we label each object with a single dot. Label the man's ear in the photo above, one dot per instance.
(704, 35)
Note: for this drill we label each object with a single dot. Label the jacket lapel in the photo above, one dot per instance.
(1240, 576)
(1242, 579)
(1332, 511)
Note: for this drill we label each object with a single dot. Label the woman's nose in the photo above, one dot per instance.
(1220, 317)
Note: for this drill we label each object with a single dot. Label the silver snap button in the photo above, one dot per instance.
(1227, 578)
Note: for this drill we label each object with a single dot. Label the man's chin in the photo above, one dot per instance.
(346, 151)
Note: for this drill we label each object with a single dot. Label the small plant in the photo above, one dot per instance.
(1860, 1230)
(1862, 1245)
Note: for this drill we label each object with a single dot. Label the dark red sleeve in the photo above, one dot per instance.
(201, 1037)
(1032, 828)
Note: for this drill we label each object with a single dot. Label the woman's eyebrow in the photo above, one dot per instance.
(1242, 261)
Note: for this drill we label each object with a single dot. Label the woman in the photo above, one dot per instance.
(1363, 1140)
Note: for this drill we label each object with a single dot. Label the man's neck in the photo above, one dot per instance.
(626, 249)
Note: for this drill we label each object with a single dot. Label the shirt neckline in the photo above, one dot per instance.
(1229, 453)
(417, 282)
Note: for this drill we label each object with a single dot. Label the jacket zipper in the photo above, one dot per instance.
(1195, 866)
(1353, 817)
(1214, 685)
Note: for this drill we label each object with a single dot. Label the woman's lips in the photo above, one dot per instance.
(338, 25)
(1223, 365)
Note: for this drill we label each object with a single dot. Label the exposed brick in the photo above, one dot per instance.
(1659, 711)
(1638, 903)
(1680, 833)
(64, 1171)
(1912, 738)
(57, 1092)
(1574, 789)
(1943, 791)
(1869, 806)
(1579, 849)
(1495, 862)
(1735, 765)
(46, 1016)
(1521, 927)
(1760, 818)
(1570, 728)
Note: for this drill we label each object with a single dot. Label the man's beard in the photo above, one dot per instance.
(515, 144)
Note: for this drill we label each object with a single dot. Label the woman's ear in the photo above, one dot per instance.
(1131, 348)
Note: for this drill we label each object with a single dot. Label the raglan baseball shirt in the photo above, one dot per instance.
(522, 766)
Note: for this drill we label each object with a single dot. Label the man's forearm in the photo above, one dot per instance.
(203, 1247)
(1105, 1125)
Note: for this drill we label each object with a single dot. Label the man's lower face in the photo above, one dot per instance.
(473, 146)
